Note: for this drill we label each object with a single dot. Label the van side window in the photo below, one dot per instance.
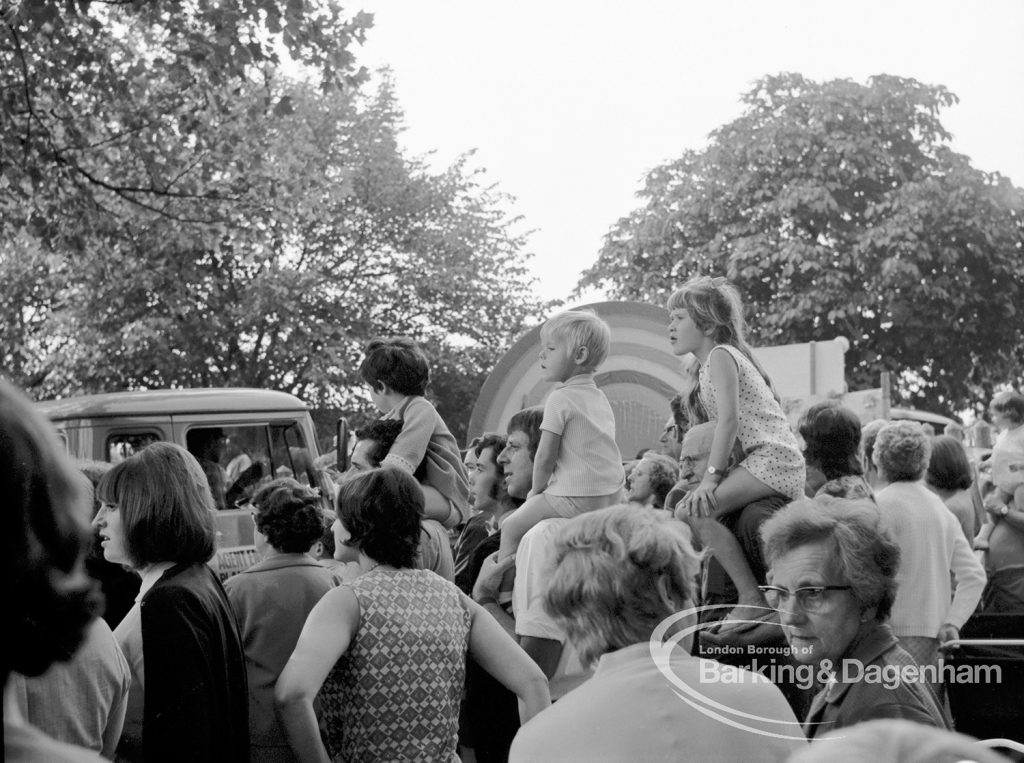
(124, 444)
(238, 460)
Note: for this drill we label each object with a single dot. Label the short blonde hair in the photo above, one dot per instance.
(582, 328)
(618, 573)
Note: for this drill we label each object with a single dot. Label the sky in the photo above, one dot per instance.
(568, 104)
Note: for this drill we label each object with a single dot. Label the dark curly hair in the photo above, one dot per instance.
(398, 362)
(49, 600)
(496, 442)
(831, 433)
(288, 514)
(381, 509)
(383, 432)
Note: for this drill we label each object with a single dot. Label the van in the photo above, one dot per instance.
(242, 438)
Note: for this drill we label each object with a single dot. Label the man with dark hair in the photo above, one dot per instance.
(536, 630)
(489, 500)
(372, 445)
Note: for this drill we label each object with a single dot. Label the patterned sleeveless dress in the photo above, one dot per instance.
(394, 695)
(770, 450)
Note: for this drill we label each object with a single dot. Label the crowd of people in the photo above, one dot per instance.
(533, 597)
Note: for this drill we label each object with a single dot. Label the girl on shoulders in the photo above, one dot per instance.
(706, 319)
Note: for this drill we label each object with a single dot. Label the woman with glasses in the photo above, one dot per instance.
(832, 577)
(272, 599)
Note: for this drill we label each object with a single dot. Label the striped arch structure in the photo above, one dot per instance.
(639, 377)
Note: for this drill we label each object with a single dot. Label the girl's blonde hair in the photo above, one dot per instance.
(714, 304)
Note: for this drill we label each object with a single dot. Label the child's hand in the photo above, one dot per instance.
(701, 502)
(489, 580)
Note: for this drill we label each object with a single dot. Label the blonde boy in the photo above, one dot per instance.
(578, 467)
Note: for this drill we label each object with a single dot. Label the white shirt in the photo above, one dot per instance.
(534, 566)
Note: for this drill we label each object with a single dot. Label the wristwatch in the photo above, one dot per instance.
(713, 471)
(1003, 511)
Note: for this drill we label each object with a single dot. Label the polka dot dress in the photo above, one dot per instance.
(771, 452)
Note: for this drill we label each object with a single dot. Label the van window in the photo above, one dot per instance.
(124, 444)
(238, 460)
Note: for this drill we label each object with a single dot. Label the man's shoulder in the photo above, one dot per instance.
(541, 532)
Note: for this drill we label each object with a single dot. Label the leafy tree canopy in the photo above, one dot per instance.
(839, 209)
(175, 212)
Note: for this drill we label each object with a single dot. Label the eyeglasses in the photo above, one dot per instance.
(810, 598)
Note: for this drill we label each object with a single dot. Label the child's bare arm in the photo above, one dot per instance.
(517, 524)
(725, 378)
(545, 460)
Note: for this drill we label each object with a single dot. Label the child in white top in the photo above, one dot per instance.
(397, 373)
(706, 319)
(578, 466)
(1007, 411)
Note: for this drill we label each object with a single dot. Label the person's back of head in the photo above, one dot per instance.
(831, 434)
(902, 450)
(619, 572)
(397, 362)
(288, 514)
(948, 467)
(167, 510)
(48, 598)
(381, 509)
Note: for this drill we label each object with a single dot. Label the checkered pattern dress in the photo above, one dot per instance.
(394, 695)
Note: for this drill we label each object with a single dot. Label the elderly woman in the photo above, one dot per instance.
(273, 598)
(620, 573)
(389, 649)
(928, 611)
(651, 479)
(188, 698)
(832, 577)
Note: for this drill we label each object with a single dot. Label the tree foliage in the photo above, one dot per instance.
(839, 209)
(176, 212)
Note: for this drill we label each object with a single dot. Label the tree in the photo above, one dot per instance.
(214, 223)
(839, 209)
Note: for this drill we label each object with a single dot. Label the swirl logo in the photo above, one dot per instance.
(662, 646)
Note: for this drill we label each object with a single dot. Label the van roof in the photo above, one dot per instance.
(171, 402)
(916, 415)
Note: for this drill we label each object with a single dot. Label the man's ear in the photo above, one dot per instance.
(582, 355)
(381, 388)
